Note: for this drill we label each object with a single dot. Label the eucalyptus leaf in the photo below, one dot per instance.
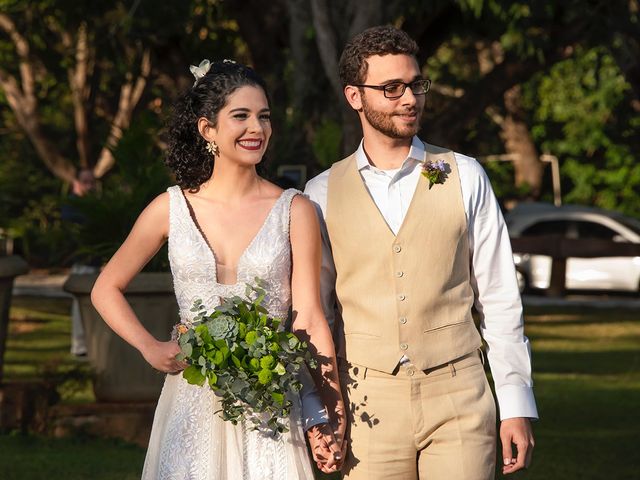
(193, 375)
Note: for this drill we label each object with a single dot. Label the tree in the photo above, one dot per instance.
(92, 61)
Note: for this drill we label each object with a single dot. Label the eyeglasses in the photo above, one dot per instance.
(396, 89)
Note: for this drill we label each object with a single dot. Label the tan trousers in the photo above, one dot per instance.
(437, 424)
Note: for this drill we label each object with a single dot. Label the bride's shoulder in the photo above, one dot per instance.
(302, 209)
(161, 201)
(159, 206)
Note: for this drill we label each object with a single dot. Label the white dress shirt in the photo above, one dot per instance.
(493, 277)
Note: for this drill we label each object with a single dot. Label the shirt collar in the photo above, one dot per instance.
(416, 155)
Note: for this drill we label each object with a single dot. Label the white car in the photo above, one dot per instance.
(576, 222)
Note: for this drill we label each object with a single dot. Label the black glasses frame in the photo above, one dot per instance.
(417, 87)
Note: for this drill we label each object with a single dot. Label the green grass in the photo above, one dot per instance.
(26, 457)
(587, 385)
(38, 347)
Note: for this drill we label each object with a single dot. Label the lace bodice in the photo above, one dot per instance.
(193, 262)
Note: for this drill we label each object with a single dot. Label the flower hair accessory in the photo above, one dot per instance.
(436, 172)
(201, 70)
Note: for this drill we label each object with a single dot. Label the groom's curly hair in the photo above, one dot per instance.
(380, 40)
(187, 154)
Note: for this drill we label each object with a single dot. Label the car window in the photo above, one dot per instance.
(547, 227)
(595, 230)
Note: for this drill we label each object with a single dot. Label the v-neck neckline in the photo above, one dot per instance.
(203, 238)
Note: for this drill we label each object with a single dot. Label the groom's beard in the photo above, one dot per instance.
(383, 122)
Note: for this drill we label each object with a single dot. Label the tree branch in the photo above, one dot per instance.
(130, 94)
(327, 43)
(79, 91)
(26, 69)
(23, 103)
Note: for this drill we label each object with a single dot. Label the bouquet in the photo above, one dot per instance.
(246, 357)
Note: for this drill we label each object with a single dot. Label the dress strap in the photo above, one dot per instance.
(177, 206)
(287, 199)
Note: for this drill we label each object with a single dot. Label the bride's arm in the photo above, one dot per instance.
(146, 237)
(309, 322)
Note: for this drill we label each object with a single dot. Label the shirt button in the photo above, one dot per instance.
(403, 320)
(397, 248)
(401, 297)
(399, 274)
(403, 346)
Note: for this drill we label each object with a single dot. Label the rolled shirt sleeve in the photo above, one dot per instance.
(313, 412)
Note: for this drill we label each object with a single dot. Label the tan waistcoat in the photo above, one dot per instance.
(407, 294)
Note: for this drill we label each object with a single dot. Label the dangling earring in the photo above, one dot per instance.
(212, 148)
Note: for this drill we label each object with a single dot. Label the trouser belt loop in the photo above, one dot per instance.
(452, 369)
(481, 353)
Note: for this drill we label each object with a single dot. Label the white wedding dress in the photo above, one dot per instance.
(189, 441)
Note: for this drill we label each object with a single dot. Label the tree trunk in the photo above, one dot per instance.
(519, 143)
(328, 21)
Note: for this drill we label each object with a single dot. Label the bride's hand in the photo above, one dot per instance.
(162, 356)
(327, 452)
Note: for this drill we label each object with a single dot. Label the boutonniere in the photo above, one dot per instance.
(436, 172)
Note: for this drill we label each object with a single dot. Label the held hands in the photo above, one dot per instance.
(162, 356)
(516, 431)
(327, 451)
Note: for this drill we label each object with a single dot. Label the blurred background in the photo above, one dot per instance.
(546, 94)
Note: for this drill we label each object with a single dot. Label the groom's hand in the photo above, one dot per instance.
(518, 432)
(327, 452)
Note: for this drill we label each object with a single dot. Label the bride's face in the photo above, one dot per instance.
(244, 127)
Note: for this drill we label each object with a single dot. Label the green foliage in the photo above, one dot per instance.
(326, 144)
(246, 357)
(579, 109)
(30, 207)
(138, 177)
(583, 116)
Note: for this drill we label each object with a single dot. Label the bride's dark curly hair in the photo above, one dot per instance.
(187, 154)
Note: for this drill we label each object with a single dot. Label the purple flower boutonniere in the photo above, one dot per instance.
(436, 172)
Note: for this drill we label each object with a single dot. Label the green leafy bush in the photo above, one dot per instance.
(109, 214)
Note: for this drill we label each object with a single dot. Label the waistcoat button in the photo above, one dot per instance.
(401, 297)
(397, 248)
(403, 346)
(403, 320)
(399, 274)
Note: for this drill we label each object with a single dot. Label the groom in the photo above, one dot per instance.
(407, 255)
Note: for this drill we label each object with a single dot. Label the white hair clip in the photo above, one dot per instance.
(201, 70)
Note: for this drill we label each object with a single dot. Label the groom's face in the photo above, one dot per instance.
(399, 117)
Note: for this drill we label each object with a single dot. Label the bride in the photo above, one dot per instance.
(225, 226)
